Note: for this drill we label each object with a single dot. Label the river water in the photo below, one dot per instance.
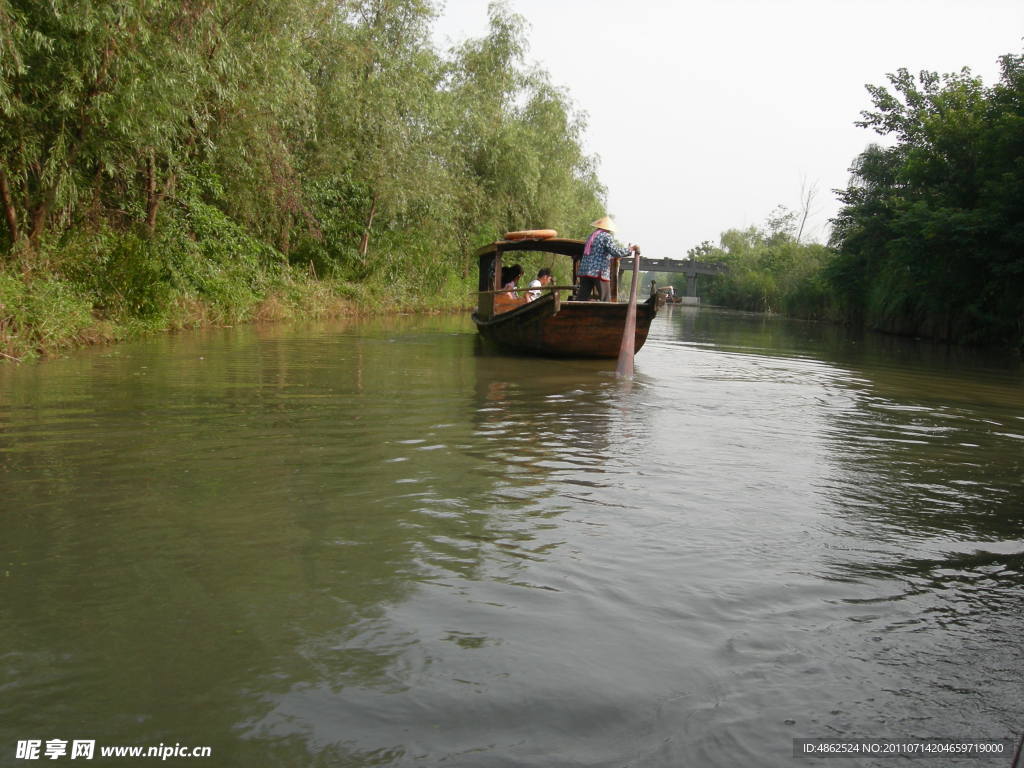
(375, 544)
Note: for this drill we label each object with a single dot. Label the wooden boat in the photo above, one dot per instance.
(552, 324)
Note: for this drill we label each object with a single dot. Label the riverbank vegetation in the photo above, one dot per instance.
(769, 270)
(930, 237)
(169, 163)
(931, 233)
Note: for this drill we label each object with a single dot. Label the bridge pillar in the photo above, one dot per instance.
(691, 285)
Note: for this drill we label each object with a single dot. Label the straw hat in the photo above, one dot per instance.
(605, 222)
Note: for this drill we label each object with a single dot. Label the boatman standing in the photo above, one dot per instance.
(595, 267)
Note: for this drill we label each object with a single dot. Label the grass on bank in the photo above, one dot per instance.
(106, 286)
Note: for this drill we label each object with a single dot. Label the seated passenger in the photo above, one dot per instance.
(509, 277)
(543, 278)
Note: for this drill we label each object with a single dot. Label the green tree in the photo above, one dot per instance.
(519, 138)
(768, 269)
(930, 230)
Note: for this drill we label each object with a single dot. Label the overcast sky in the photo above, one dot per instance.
(706, 115)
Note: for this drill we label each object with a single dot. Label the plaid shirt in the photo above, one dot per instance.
(597, 263)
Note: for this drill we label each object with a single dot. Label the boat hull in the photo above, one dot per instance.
(573, 329)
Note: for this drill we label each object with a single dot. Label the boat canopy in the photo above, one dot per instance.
(561, 245)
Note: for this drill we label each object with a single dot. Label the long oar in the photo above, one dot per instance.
(624, 369)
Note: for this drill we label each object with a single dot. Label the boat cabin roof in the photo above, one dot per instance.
(562, 245)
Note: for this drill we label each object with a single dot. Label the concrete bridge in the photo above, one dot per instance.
(688, 267)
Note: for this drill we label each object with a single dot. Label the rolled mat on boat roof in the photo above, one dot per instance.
(531, 234)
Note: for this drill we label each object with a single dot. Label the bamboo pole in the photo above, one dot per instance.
(624, 368)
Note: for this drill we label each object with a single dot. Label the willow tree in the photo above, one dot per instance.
(261, 99)
(567, 194)
(518, 138)
(66, 68)
(11, 67)
(105, 104)
(383, 102)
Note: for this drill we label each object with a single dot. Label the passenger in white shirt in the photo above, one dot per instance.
(543, 278)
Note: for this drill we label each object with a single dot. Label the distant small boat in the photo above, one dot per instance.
(550, 324)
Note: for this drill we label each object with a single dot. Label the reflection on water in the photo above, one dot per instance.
(377, 544)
